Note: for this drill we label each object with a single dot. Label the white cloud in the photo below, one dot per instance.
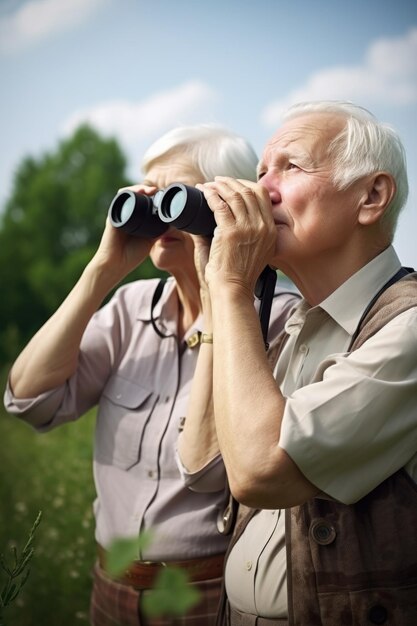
(388, 75)
(137, 124)
(39, 19)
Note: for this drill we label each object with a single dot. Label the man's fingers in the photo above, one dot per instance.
(255, 196)
(223, 212)
(246, 200)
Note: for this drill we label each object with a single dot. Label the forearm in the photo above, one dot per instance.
(247, 402)
(51, 356)
(248, 405)
(197, 444)
(249, 409)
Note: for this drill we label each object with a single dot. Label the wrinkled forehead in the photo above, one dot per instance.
(175, 167)
(310, 134)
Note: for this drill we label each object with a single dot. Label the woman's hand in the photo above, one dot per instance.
(119, 252)
(245, 238)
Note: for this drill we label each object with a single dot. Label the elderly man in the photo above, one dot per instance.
(331, 434)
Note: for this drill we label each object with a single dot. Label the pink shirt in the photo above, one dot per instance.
(141, 383)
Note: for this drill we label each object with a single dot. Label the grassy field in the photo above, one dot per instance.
(51, 473)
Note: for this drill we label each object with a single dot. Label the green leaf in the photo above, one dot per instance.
(172, 595)
(10, 595)
(122, 552)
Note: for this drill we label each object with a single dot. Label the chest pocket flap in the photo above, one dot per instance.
(124, 411)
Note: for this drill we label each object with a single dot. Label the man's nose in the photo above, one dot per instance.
(271, 183)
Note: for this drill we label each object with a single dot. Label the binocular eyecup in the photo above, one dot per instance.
(178, 205)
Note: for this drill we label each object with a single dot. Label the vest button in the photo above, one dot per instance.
(377, 614)
(322, 532)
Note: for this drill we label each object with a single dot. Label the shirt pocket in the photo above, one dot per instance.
(124, 412)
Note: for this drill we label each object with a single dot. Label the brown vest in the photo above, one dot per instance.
(355, 565)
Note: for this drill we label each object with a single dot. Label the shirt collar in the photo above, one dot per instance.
(359, 290)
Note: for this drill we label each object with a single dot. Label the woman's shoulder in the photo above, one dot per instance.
(138, 294)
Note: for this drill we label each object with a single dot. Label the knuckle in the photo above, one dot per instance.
(234, 196)
(223, 206)
(247, 192)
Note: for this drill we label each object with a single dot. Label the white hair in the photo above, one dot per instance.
(364, 146)
(213, 150)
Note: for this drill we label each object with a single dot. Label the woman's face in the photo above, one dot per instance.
(173, 251)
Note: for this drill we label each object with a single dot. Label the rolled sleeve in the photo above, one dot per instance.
(83, 389)
(209, 479)
(39, 411)
(357, 424)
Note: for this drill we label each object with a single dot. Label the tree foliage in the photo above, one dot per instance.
(51, 227)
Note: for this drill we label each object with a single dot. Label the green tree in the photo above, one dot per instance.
(51, 227)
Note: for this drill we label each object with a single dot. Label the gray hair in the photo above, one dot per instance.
(213, 150)
(363, 147)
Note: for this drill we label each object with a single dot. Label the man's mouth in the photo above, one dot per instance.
(279, 219)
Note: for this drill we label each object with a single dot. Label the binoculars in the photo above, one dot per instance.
(178, 205)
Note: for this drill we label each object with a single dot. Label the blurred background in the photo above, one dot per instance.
(86, 86)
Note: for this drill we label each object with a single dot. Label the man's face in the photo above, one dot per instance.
(314, 219)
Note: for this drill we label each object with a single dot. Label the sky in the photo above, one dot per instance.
(134, 69)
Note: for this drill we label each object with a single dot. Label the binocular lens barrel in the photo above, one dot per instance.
(136, 214)
(178, 205)
(186, 208)
(173, 203)
(123, 208)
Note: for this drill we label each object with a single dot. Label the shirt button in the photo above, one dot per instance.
(193, 340)
(151, 473)
(322, 532)
(378, 614)
(248, 565)
(303, 348)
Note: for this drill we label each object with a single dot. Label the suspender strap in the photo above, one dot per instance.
(403, 271)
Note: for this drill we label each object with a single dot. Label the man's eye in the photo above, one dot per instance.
(260, 175)
(292, 166)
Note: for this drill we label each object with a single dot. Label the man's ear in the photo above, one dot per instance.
(379, 191)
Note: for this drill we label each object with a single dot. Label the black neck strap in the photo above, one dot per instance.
(264, 290)
(155, 299)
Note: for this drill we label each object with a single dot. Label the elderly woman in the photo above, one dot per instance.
(135, 358)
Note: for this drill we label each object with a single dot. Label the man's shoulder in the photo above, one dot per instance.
(396, 305)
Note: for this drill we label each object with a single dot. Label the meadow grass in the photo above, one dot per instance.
(51, 472)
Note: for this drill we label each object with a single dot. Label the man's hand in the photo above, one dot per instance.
(245, 238)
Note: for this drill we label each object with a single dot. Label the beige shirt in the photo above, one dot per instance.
(141, 383)
(350, 421)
